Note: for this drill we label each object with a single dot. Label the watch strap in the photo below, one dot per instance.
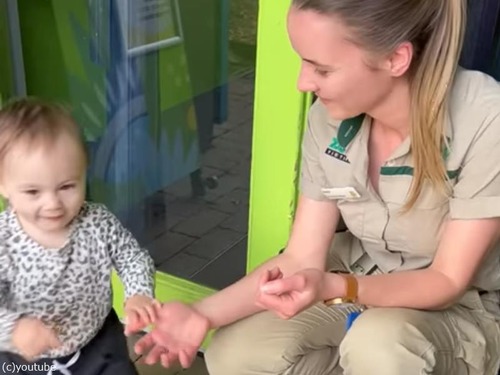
(351, 294)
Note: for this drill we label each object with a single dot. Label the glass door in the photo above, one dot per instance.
(191, 118)
(163, 93)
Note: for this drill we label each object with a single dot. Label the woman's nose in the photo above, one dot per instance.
(305, 82)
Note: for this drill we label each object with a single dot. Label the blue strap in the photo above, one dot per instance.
(351, 318)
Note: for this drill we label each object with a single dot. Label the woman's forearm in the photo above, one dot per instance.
(425, 289)
(238, 300)
(307, 247)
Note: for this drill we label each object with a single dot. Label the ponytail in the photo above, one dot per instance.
(430, 87)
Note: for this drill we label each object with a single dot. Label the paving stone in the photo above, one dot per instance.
(242, 173)
(221, 159)
(201, 223)
(241, 133)
(161, 226)
(241, 147)
(225, 269)
(181, 188)
(185, 207)
(168, 245)
(226, 184)
(241, 87)
(232, 202)
(183, 265)
(214, 243)
(237, 222)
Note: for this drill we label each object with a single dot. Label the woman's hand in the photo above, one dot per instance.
(289, 296)
(178, 334)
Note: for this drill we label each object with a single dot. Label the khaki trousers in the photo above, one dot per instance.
(462, 340)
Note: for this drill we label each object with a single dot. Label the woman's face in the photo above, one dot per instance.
(334, 68)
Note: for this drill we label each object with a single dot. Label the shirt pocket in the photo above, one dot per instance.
(417, 230)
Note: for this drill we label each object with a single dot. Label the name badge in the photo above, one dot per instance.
(348, 193)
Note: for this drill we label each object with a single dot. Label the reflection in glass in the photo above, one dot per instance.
(163, 91)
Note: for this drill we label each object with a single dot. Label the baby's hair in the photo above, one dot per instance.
(37, 122)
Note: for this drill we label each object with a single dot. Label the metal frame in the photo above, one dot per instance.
(123, 10)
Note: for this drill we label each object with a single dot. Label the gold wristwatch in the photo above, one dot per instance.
(351, 295)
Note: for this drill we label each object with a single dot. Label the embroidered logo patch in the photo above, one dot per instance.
(336, 151)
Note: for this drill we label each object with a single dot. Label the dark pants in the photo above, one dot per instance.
(105, 354)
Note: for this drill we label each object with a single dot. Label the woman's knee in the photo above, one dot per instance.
(386, 341)
(247, 347)
(266, 344)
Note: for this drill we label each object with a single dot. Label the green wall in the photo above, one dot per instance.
(279, 116)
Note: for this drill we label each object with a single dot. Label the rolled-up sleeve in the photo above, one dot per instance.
(312, 175)
(476, 195)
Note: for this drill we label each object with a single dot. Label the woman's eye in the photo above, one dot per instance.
(322, 73)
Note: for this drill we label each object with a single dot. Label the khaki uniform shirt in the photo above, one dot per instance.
(335, 166)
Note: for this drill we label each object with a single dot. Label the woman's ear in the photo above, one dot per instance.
(400, 60)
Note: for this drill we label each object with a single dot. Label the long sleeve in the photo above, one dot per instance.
(134, 265)
(68, 288)
(8, 318)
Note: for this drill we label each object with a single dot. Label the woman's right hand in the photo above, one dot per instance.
(178, 334)
(31, 337)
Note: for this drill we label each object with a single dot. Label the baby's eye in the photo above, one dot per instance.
(31, 192)
(67, 186)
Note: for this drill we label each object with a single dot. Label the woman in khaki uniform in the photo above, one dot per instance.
(406, 147)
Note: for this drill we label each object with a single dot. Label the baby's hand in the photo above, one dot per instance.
(140, 311)
(31, 337)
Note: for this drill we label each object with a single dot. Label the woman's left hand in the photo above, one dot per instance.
(289, 296)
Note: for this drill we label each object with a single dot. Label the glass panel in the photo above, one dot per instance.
(164, 92)
(6, 73)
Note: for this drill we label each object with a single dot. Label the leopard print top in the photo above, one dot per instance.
(68, 288)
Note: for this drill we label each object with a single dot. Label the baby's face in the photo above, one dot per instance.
(45, 184)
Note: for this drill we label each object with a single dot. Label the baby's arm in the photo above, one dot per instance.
(134, 265)
(19, 333)
(8, 318)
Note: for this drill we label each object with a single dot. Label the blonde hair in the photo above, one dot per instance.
(435, 28)
(36, 121)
